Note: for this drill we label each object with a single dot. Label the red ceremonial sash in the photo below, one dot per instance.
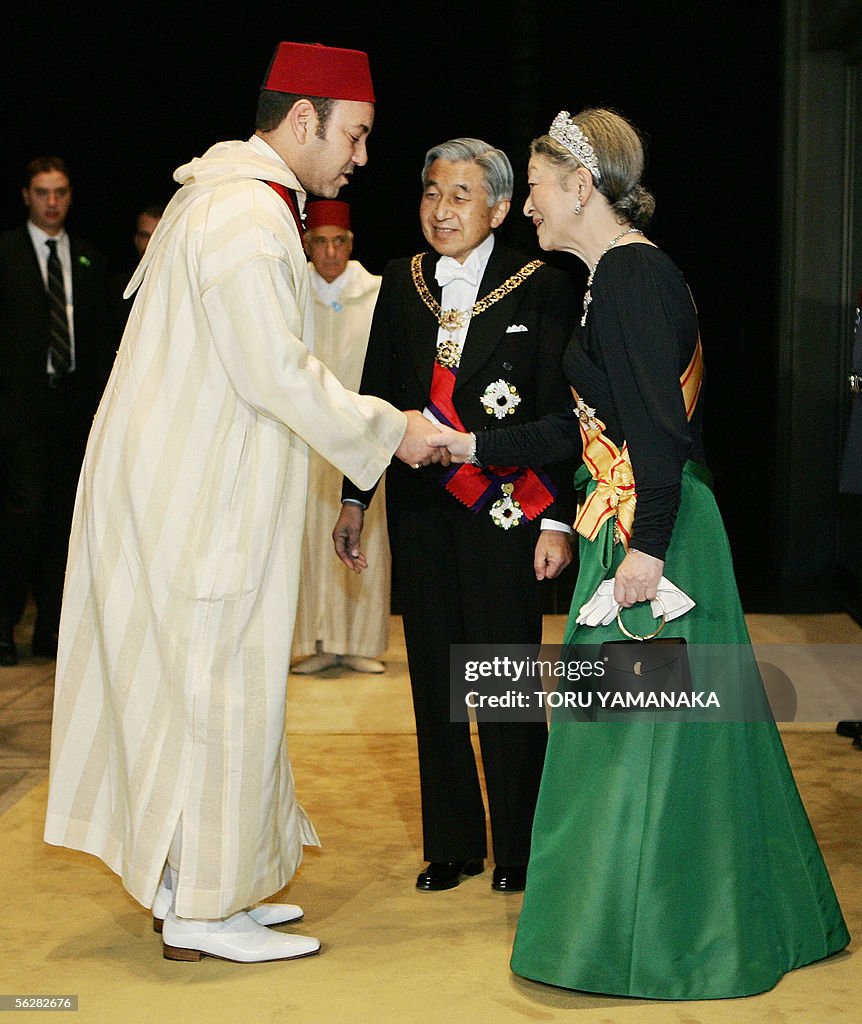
(475, 486)
(289, 196)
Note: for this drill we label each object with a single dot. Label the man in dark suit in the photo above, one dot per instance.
(55, 353)
(473, 333)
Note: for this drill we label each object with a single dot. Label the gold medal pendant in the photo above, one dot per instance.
(448, 353)
(448, 349)
(453, 319)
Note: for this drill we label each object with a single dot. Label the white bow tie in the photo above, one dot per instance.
(449, 270)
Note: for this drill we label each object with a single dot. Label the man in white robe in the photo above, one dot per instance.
(343, 617)
(168, 735)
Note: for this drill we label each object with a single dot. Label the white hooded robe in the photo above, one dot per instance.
(184, 557)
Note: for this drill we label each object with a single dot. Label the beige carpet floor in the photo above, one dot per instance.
(390, 954)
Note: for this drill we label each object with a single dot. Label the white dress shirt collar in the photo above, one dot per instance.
(40, 237)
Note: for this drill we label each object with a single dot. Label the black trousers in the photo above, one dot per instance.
(461, 579)
(39, 470)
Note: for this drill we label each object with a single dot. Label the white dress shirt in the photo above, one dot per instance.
(461, 290)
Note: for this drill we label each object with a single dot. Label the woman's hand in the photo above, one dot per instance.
(458, 444)
(637, 578)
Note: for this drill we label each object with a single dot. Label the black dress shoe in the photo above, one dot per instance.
(45, 645)
(852, 730)
(8, 650)
(509, 879)
(447, 874)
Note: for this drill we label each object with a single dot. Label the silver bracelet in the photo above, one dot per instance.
(471, 454)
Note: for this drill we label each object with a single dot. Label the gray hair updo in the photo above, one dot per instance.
(620, 155)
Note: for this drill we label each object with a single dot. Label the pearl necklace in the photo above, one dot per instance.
(588, 297)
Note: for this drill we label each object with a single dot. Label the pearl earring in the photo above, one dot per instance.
(578, 208)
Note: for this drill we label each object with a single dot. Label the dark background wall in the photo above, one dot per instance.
(128, 92)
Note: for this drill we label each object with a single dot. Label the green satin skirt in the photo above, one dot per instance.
(673, 860)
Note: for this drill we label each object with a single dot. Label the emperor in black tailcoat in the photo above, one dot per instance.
(460, 577)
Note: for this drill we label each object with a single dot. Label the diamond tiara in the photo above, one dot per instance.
(570, 135)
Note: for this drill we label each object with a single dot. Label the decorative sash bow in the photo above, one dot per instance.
(615, 493)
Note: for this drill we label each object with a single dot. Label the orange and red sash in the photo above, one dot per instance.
(615, 493)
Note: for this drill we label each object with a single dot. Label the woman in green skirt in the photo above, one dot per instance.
(670, 859)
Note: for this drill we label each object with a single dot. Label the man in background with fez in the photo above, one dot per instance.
(343, 617)
(473, 333)
(168, 755)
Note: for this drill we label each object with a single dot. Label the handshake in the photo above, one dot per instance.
(426, 442)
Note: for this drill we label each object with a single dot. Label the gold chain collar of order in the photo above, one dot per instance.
(451, 320)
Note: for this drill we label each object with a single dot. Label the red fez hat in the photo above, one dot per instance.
(317, 70)
(327, 213)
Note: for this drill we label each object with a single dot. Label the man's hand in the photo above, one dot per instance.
(553, 554)
(637, 578)
(346, 534)
(414, 448)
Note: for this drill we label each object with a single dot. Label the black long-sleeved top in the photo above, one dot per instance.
(626, 363)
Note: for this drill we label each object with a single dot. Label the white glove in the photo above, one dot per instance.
(601, 609)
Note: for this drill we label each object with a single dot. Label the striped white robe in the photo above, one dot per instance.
(347, 612)
(184, 558)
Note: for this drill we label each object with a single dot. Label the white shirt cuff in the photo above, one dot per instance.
(552, 524)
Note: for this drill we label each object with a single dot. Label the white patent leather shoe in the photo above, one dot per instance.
(266, 914)
(237, 938)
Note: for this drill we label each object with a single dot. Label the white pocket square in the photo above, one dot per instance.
(515, 328)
